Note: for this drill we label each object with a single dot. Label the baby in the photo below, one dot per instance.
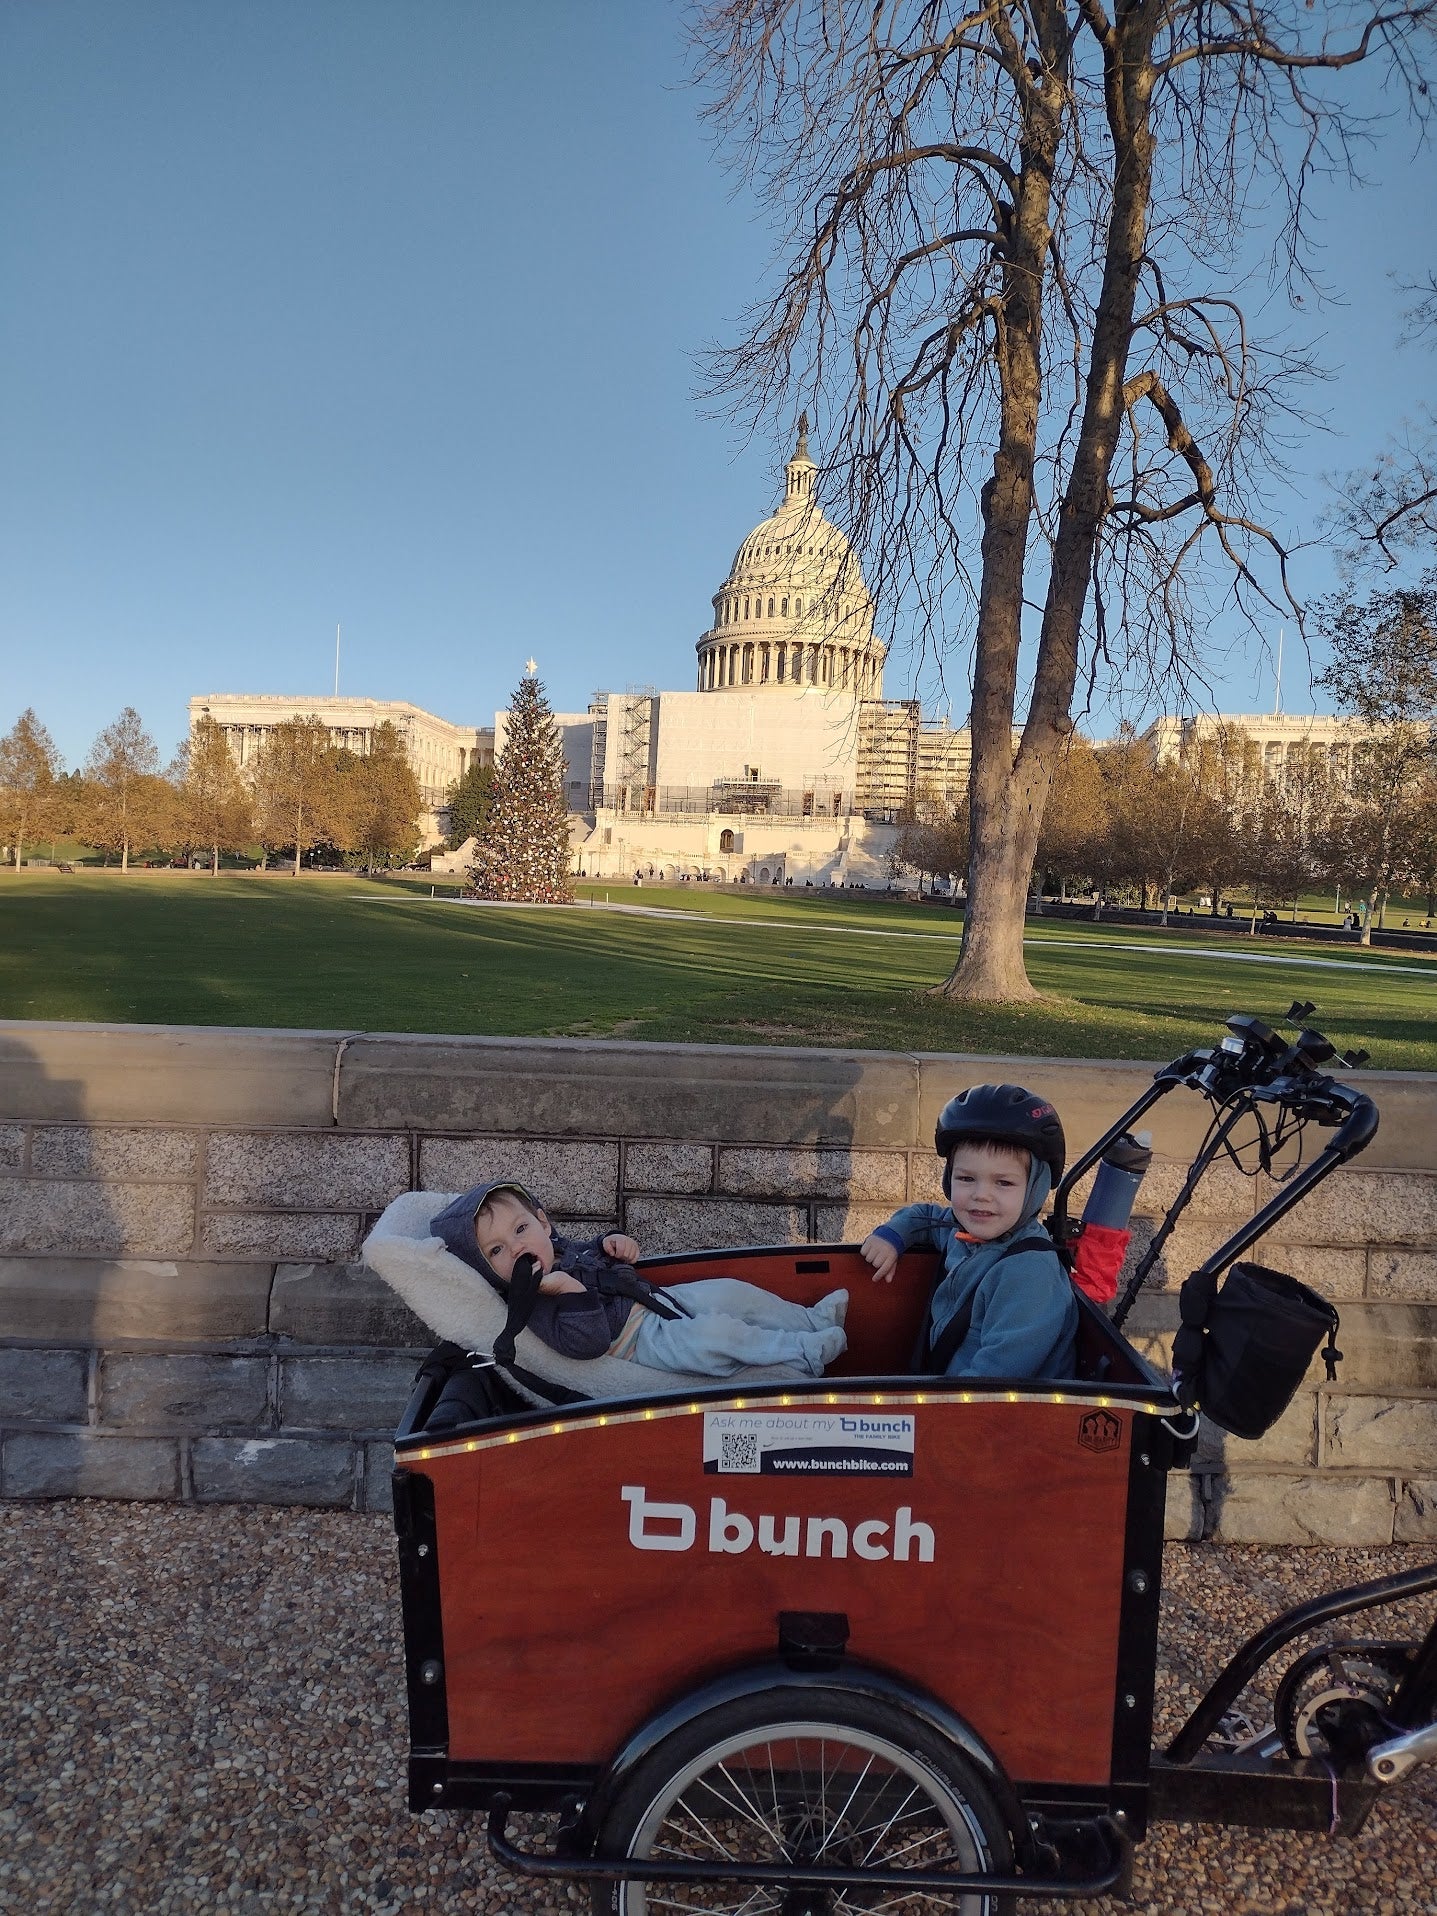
(593, 1303)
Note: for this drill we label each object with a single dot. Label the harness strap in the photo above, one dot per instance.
(624, 1281)
(939, 1354)
(522, 1295)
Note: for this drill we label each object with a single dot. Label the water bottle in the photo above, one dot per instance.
(1120, 1172)
(1103, 1234)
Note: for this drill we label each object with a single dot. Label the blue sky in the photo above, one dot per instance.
(385, 314)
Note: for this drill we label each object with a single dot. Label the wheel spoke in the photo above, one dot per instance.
(760, 1901)
(896, 1817)
(682, 1812)
(743, 1806)
(839, 1782)
(857, 1786)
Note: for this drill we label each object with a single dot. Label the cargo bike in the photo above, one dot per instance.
(876, 1640)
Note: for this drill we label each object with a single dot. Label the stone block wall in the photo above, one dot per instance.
(182, 1314)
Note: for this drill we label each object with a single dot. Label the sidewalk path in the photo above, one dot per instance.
(201, 1710)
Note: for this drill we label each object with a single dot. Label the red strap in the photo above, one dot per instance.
(1101, 1250)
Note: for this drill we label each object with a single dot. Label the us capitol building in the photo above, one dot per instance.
(785, 762)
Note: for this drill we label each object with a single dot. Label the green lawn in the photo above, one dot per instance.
(732, 968)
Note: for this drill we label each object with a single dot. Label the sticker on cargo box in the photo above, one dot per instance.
(776, 1443)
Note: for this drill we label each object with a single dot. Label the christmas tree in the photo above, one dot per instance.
(524, 849)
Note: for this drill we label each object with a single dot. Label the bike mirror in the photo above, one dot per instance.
(1352, 1059)
(1298, 1012)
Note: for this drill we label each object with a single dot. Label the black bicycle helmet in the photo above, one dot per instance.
(1000, 1114)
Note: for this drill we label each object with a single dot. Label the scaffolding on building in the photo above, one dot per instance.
(599, 745)
(634, 762)
(887, 756)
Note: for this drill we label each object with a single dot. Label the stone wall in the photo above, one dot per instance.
(182, 1316)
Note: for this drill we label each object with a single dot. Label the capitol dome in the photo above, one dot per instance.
(793, 612)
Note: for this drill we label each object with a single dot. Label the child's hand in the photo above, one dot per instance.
(625, 1249)
(558, 1284)
(881, 1255)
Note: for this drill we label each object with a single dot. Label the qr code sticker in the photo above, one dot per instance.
(738, 1451)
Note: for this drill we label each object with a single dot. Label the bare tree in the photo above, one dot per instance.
(119, 803)
(1006, 225)
(29, 767)
(1390, 510)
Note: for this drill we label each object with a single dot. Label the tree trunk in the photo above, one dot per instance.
(19, 841)
(991, 966)
(1007, 797)
(298, 834)
(125, 854)
(1368, 916)
(214, 861)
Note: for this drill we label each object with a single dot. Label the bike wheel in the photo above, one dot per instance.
(806, 1776)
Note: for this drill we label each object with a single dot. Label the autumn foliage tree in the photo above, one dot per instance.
(125, 801)
(1004, 230)
(29, 768)
(1383, 671)
(213, 799)
(381, 801)
(1075, 820)
(297, 795)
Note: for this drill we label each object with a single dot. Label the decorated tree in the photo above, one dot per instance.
(524, 850)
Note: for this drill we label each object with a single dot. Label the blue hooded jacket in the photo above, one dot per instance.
(1025, 1319)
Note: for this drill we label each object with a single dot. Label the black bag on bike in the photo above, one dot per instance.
(1243, 1350)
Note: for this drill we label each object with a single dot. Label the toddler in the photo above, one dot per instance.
(593, 1303)
(1004, 1306)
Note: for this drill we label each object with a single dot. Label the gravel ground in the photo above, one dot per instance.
(202, 1710)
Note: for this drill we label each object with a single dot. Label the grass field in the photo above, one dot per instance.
(726, 968)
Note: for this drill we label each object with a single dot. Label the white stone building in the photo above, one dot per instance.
(785, 763)
(1275, 734)
(438, 752)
